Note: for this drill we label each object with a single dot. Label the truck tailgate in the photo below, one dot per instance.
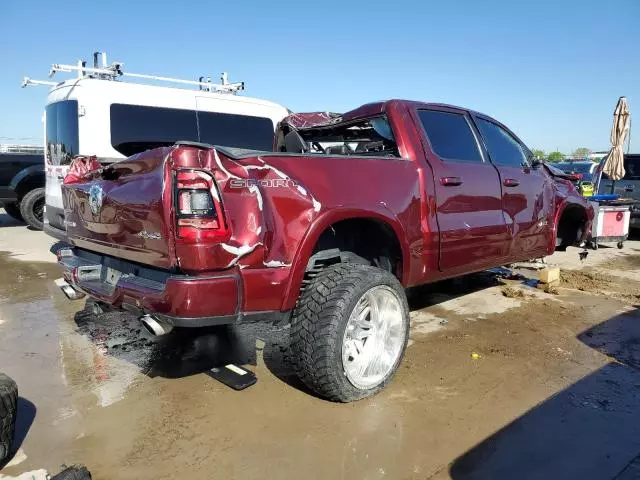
(125, 210)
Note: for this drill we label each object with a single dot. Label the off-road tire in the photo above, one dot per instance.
(318, 325)
(8, 407)
(31, 208)
(13, 210)
(77, 472)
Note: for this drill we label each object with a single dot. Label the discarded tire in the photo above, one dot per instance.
(77, 472)
(8, 406)
(32, 208)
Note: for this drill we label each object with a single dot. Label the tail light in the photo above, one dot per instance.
(198, 209)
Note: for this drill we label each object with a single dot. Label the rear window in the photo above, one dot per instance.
(230, 130)
(632, 167)
(61, 132)
(450, 135)
(136, 128)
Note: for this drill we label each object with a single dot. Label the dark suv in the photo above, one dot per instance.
(22, 183)
(628, 187)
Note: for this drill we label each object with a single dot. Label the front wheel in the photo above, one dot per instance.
(32, 208)
(349, 331)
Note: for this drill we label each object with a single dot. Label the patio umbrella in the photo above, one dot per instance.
(614, 167)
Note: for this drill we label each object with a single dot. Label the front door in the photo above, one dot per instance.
(472, 229)
(527, 192)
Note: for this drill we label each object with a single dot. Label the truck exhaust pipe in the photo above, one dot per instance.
(70, 292)
(154, 327)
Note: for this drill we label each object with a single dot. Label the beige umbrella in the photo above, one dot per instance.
(614, 166)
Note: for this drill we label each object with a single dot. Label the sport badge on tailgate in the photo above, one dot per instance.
(95, 198)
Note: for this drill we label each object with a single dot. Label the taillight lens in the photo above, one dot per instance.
(198, 210)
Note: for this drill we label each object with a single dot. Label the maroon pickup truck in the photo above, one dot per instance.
(324, 232)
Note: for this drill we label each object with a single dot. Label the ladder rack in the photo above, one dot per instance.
(114, 71)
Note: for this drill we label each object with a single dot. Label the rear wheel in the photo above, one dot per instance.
(349, 331)
(32, 208)
(8, 406)
(13, 210)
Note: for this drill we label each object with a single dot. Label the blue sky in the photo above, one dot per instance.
(550, 70)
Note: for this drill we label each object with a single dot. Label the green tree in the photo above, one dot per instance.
(539, 154)
(556, 156)
(581, 152)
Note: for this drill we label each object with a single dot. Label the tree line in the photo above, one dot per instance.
(556, 156)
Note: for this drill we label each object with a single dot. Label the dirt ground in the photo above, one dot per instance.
(501, 381)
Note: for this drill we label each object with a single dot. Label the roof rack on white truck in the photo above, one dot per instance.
(105, 111)
(115, 70)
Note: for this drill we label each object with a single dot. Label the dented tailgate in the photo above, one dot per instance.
(125, 210)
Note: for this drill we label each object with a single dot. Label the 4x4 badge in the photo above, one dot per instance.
(95, 198)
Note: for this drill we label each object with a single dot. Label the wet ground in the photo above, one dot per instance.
(500, 381)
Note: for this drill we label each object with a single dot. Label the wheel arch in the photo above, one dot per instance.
(323, 223)
(571, 215)
(27, 179)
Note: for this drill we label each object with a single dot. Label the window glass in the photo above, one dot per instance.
(62, 132)
(230, 130)
(631, 167)
(135, 128)
(366, 137)
(450, 135)
(503, 148)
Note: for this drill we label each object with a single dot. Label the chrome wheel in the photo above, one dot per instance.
(373, 338)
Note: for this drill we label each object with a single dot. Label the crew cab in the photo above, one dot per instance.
(324, 232)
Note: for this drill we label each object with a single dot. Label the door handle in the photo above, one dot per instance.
(450, 181)
(510, 182)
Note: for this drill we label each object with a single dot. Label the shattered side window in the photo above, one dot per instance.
(365, 137)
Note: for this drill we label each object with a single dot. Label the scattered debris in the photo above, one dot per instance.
(475, 356)
(75, 472)
(511, 292)
(585, 281)
(538, 264)
(583, 255)
(550, 275)
(552, 289)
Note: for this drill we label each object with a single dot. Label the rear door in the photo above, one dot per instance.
(527, 192)
(472, 228)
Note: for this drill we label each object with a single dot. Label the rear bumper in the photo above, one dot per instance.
(180, 300)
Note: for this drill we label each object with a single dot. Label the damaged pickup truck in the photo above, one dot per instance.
(325, 232)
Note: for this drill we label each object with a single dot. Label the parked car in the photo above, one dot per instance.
(22, 183)
(584, 170)
(628, 187)
(100, 115)
(583, 175)
(323, 232)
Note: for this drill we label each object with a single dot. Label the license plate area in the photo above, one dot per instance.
(88, 273)
(112, 276)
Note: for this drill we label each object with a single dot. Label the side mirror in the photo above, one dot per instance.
(536, 162)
